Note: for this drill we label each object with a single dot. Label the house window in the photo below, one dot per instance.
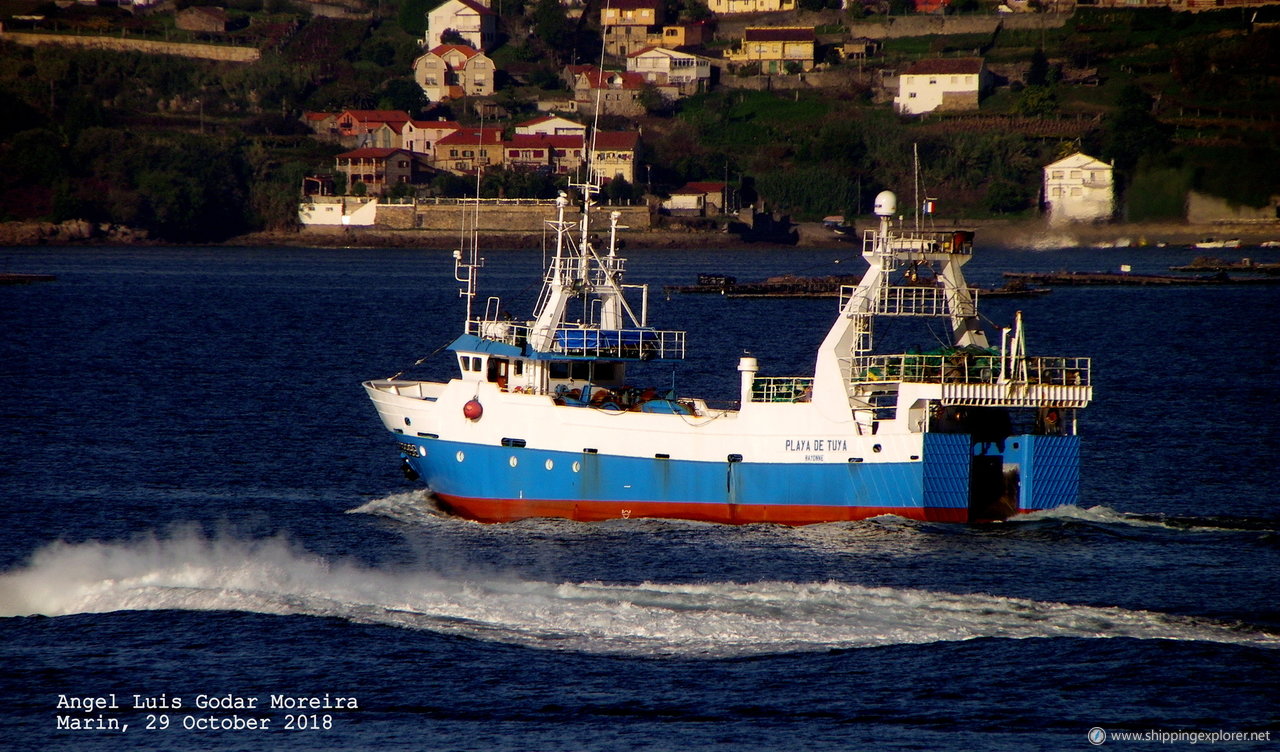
(402, 163)
(1077, 191)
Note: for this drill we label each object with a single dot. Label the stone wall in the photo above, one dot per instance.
(225, 53)
(893, 27)
(501, 217)
(1204, 209)
(896, 27)
(838, 78)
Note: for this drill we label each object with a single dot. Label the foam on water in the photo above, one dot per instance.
(413, 507)
(1108, 516)
(272, 576)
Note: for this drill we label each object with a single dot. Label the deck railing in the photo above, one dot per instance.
(971, 368)
(781, 389)
(590, 342)
(908, 300)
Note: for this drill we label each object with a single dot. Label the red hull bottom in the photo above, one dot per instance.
(509, 510)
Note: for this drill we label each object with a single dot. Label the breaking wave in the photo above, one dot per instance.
(1108, 516)
(273, 576)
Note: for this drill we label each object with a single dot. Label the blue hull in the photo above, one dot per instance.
(956, 480)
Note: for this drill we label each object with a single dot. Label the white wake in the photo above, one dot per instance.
(272, 576)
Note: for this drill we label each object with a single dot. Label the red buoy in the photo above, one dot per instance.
(473, 410)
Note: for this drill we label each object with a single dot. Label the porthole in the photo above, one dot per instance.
(460, 456)
(422, 451)
(577, 466)
(875, 447)
(513, 461)
(407, 422)
(549, 464)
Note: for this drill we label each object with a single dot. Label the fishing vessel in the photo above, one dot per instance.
(545, 417)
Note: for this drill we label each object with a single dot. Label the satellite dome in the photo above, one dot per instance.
(886, 204)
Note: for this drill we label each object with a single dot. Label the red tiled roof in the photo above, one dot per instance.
(598, 79)
(653, 5)
(377, 116)
(945, 66)
(466, 50)
(616, 140)
(534, 141)
(472, 137)
(477, 7)
(779, 34)
(700, 188)
(435, 124)
(370, 152)
(547, 119)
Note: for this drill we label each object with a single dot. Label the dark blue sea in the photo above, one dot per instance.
(206, 544)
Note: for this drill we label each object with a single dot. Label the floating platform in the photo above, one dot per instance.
(1207, 264)
(788, 286)
(1128, 279)
(14, 278)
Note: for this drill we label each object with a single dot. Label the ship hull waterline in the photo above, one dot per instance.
(956, 480)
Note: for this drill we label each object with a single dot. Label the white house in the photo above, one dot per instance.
(420, 136)
(453, 71)
(550, 125)
(613, 154)
(941, 84)
(1078, 188)
(469, 19)
(696, 199)
(338, 211)
(684, 73)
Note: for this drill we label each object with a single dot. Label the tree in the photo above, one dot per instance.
(552, 28)
(619, 190)
(413, 15)
(1038, 73)
(403, 94)
(1131, 131)
(652, 100)
(1036, 101)
(1005, 196)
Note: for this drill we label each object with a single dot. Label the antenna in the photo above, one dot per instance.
(915, 173)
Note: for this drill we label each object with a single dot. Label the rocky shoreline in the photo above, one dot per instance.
(1032, 234)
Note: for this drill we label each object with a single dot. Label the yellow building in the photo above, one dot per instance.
(728, 7)
(774, 47)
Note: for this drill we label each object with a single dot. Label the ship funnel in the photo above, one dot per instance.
(886, 204)
(747, 367)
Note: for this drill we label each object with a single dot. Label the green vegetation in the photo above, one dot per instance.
(197, 150)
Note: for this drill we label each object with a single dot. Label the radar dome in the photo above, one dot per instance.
(886, 204)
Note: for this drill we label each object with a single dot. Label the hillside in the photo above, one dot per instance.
(191, 149)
